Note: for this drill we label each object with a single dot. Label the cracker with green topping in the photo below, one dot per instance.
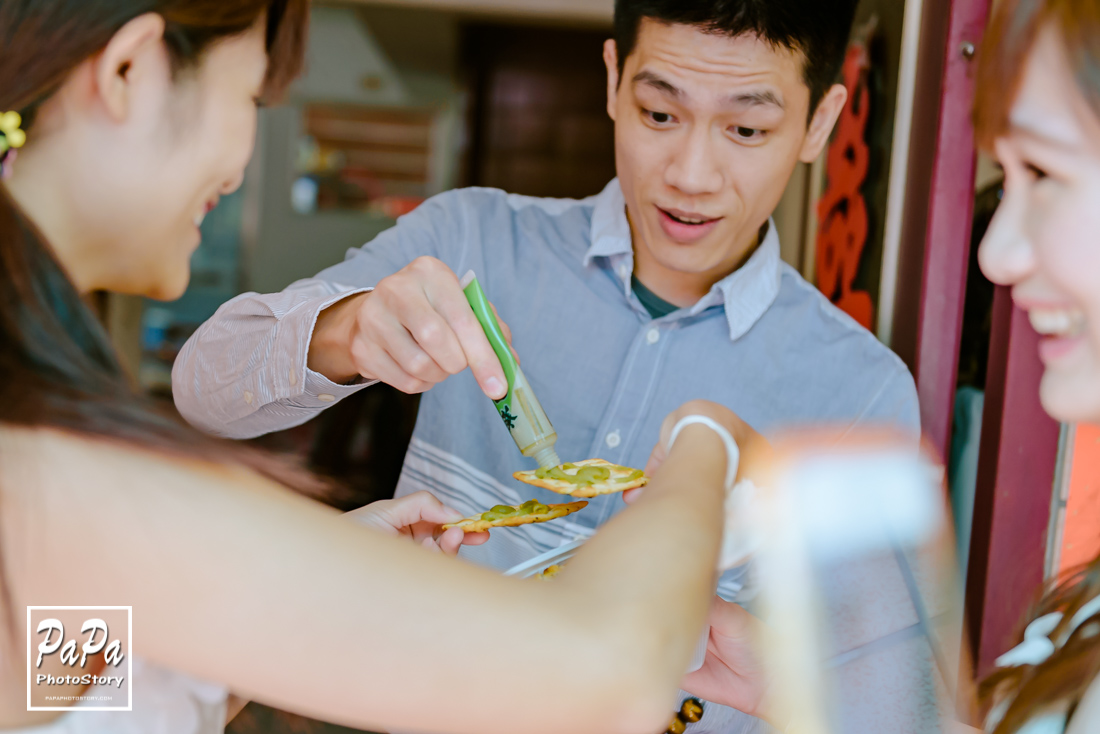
(588, 478)
(509, 516)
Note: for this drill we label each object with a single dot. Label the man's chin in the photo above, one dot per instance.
(683, 263)
(694, 257)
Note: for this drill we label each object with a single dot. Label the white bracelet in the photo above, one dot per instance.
(733, 454)
(741, 531)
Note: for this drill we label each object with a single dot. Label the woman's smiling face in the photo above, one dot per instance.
(135, 150)
(1045, 239)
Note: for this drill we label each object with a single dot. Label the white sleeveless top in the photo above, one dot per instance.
(164, 702)
(1036, 648)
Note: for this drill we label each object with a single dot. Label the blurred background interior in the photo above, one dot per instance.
(404, 99)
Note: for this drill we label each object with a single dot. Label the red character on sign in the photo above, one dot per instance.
(842, 210)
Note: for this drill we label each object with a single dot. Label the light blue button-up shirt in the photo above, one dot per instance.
(763, 342)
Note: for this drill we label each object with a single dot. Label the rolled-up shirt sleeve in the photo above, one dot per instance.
(244, 372)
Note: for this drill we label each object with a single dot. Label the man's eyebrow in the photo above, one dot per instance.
(756, 99)
(763, 97)
(651, 79)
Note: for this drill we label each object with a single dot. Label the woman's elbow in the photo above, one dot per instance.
(630, 682)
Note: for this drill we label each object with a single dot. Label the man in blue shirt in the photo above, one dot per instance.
(665, 287)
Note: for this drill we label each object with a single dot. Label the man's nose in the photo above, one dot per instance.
(695, 169)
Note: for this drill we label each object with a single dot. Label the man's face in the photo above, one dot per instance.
(708, 130)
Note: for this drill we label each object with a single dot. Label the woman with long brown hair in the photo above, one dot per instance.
(127, 120)
(1038, 112)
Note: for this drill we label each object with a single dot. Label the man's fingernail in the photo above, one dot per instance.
(495, 386)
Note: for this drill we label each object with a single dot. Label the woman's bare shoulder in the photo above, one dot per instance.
(38, 460)
(69, 496)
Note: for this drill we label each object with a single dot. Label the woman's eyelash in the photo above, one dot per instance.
(1035, 170)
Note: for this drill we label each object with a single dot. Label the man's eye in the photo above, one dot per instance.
(661, 118)
(747, 133)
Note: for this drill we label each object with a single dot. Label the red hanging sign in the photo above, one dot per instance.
(842, 211)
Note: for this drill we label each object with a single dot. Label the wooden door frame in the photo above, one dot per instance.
(1016, 467)
(946, 253)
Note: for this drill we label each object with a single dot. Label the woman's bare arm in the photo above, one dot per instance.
(236, 580)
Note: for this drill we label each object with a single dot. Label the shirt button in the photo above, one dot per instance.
(653, 336)
(248, 397)
(326, 398)
(613, 439)
(624, 271)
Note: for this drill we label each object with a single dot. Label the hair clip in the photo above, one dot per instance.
(11, 138)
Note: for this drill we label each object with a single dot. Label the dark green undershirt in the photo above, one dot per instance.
(653, 303)
(658, 306)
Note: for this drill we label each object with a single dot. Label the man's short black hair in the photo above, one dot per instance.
(818, 29)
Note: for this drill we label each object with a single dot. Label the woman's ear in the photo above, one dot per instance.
(133, 53)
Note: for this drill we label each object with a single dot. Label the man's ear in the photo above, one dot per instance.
(823, 122)
(611, 60)
(129, 54)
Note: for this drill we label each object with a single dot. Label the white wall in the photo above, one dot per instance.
(282, 246)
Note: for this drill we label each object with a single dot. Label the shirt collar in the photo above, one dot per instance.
(745, 293)
(610, 228)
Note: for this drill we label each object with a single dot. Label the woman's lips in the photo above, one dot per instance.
(683, 232)
(1056, 348)
(1061, 328)
(210, 206)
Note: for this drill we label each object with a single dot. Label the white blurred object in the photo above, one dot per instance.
(847, 505)
(848, 605)
(345, 64)
(303, 195)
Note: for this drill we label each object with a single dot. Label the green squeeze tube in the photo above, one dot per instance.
(519, 409)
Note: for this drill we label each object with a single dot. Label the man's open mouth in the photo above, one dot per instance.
(689, 218)
(686, 228)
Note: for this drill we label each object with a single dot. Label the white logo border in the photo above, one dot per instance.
(129, 662)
